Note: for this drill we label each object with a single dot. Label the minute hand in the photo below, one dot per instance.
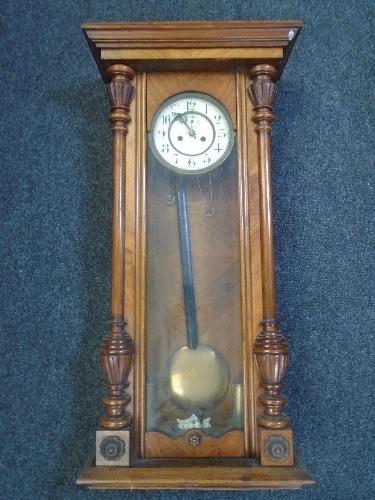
(182, 118)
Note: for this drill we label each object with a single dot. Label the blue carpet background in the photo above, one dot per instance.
(55, 219)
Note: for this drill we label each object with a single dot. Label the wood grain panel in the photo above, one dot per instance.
(163, 85)
(191, 54)
(230, 444)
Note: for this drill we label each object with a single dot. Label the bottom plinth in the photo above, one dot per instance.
(245, 474)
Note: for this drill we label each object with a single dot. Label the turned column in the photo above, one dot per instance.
(271, 353)
(117, 348)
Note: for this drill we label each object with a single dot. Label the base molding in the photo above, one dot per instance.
(246, 475)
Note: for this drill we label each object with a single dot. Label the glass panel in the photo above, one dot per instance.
(193, 336)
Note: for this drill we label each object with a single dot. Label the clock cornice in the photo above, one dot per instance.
(192, 45)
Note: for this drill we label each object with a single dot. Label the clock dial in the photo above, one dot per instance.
(191, 133)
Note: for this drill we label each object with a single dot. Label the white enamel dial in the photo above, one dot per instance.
(191, 133)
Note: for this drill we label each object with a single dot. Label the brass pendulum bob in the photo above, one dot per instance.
(198, 374)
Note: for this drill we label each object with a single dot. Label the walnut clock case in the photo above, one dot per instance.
(193, 360)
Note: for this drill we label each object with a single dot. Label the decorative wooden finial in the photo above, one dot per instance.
(120, 93)
(271, 353)
(262, 91)
(117, 348)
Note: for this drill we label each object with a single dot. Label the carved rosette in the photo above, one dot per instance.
(277, 448)
(194, 438)
(112, 448)
(270, 350)
(117, 348)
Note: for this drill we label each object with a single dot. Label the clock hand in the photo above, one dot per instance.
(182, 119)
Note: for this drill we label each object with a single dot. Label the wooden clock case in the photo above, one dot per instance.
(238, 63)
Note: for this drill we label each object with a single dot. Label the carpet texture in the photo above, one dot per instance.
(54, 227)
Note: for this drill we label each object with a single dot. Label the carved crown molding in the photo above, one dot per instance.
(228, 43)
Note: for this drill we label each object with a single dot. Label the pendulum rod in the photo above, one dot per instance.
(187, 268)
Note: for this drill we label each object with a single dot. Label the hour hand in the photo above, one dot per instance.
(183, 119)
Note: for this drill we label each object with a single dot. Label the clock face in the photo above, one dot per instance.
(191, 133)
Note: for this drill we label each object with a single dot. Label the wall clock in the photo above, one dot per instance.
(193, 360)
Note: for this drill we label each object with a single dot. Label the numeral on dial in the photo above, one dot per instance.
(166, 119)
(190, 105)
